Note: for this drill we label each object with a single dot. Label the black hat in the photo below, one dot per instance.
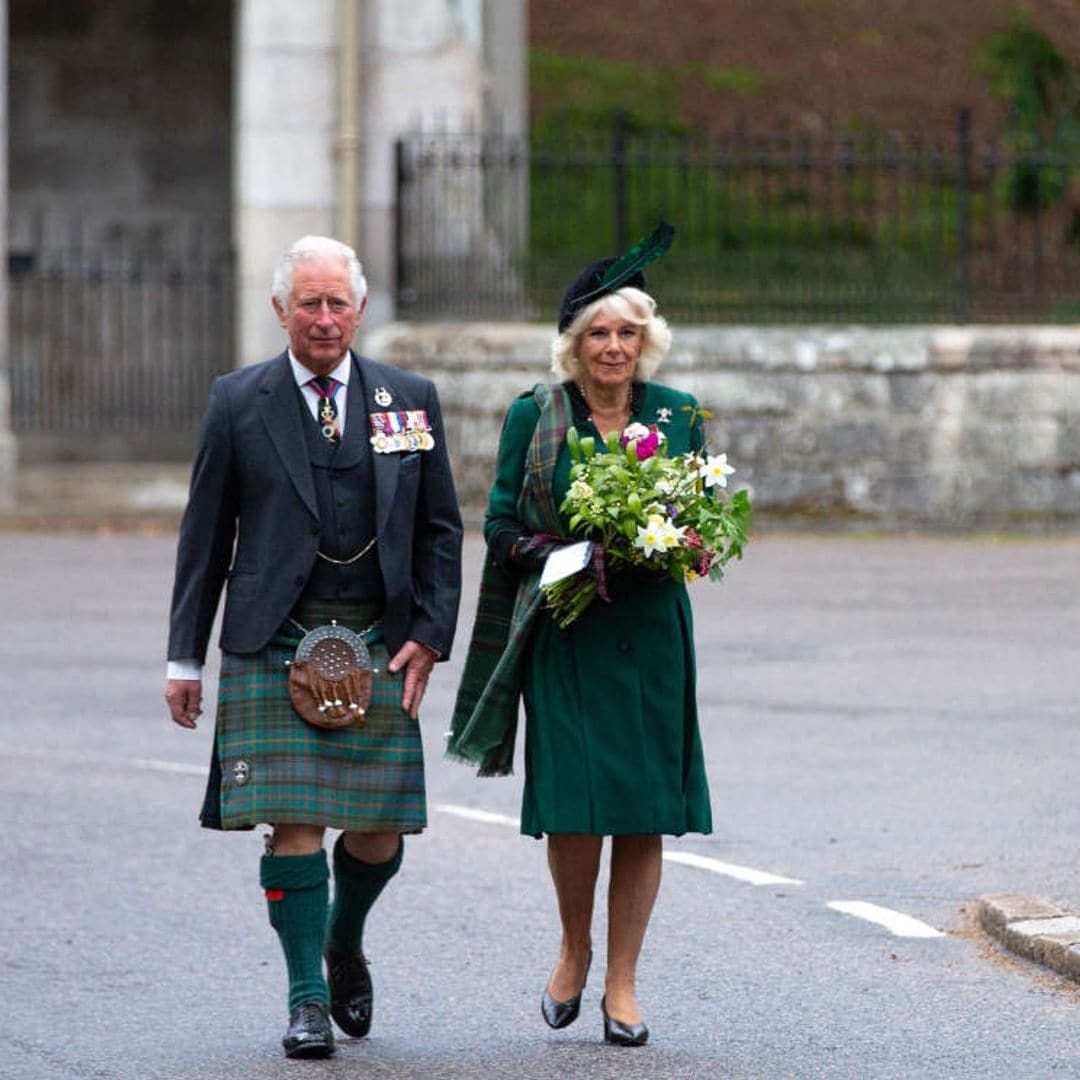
(603, 277)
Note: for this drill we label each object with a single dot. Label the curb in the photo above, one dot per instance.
(1034, 928)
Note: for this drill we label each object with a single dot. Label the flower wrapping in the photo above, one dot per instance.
(643, 508)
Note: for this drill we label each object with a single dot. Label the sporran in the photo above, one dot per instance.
(330, 677)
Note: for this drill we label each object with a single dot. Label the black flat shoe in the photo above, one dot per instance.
(310, 1034)
(560, 1014)
(619, 1034)
(352, 998)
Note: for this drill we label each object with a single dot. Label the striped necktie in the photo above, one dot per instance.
(327, 388)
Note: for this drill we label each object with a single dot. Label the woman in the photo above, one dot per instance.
(612, 742)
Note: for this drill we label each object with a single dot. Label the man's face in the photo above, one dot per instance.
(321, 316)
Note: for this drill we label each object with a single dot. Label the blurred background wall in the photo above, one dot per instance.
(850, 182)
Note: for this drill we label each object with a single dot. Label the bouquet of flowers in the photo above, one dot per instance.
(648, 510)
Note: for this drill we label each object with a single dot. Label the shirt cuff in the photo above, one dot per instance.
(183, 669)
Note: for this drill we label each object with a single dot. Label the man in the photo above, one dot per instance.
(321, 495)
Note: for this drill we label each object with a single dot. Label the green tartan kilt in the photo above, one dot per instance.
(271, 767)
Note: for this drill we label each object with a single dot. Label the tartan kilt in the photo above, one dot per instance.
(365, 779)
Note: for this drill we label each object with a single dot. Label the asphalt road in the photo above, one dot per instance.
(886, 721)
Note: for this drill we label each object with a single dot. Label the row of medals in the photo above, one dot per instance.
(402, 440)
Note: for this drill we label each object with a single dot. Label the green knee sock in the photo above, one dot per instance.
(356, 888)
(296, 894)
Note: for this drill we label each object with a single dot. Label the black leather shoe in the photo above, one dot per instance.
(619, 1034)
(351, 995)
(560, 1014)
(310, 1034)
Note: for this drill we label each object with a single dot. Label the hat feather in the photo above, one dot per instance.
(639, 256)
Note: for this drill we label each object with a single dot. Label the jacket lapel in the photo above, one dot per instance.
(276, 401)
(386, 466)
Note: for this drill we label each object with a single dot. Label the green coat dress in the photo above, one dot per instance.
(612, 745)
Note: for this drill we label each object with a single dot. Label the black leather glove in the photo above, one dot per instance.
(530, 550)
(514, 549)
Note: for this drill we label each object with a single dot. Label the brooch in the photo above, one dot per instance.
(382, 396)
(663, 415)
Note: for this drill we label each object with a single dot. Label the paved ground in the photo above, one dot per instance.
(887, 722)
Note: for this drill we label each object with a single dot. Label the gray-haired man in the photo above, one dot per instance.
(321, 495)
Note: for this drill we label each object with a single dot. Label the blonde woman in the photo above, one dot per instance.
(612, 741)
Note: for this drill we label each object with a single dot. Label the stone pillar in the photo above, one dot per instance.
(283, 144)
(7, 440)
(506, 40)
(423, 66)
(444, 64)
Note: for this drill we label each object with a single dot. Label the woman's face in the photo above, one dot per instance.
(608, 351)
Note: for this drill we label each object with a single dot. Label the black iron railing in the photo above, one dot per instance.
(777, 227)
(120, 332)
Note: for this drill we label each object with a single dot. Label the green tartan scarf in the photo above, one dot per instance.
(484, 724)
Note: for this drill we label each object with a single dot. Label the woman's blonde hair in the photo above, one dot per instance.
(627, 303)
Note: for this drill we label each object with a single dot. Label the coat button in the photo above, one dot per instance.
(298, 581)
(623, 647)
(315, 530)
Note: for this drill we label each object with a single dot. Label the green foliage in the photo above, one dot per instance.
(733, 79)
(1028, 72)
(1028, 186)
(582, 95)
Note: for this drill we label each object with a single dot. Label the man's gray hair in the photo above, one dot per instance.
(317, 247)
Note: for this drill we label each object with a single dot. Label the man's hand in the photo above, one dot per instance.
(184, 698)
(417, 660)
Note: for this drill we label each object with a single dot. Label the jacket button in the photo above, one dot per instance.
(623, 646)
(298, 581)
(315, 530)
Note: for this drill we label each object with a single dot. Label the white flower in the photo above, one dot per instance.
(672, 537)
(580, 491)
(716, 470)
(659, 534)
(650, 537)
(633, 432)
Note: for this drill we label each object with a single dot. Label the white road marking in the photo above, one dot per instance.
(895, 922)
(486, 816)
(740, 873)
(171, 766)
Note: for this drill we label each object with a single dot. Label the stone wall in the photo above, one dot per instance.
(119, 117)
(924, 426)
